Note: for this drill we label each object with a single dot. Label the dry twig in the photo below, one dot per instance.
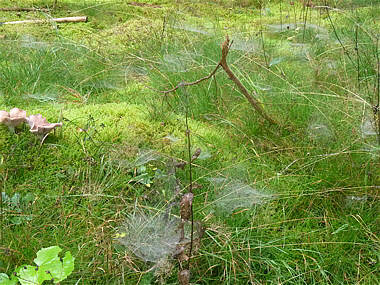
(223, 63)
(57, 20)
(20, 9)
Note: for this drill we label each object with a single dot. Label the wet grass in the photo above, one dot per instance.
(320, 167)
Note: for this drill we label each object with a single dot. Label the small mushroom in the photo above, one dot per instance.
(17, 116)
(12, 119)
(4, 117)
(40, 126)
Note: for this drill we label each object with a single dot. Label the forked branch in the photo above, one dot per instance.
(223, 64)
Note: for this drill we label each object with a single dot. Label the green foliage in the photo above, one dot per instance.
(17, 205)
(49, 267)
(4, 279)
(320, 168)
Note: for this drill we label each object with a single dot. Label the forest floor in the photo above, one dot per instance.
(296, 202)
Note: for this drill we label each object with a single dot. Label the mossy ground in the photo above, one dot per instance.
(99, 78)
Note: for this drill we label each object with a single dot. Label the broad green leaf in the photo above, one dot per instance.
(67, 267)
(4, 279)
(55, 267)
(47, 255)
(49, 267)
(28, 275)
(49, 264)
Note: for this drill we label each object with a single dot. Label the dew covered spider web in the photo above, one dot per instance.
(233, 194)
(150, 236)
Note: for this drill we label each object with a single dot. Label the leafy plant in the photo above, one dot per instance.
(142, 176)
(17, 205)
(49, 266)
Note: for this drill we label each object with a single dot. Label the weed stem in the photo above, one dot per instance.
(190, 176)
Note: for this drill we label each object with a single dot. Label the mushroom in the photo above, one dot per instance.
(13, 119)
(4, 117)
(17, 116)
(40, 126)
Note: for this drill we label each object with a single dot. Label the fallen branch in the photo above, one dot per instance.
(19, 9)
(223, 63)
(57, 20)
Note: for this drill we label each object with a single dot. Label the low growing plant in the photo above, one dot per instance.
(17, 206)
(49, 267)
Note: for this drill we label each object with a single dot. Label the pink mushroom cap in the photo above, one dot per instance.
(39, 125)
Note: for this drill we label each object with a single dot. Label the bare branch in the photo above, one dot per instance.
(20, 9)
(182, 84)
(223, 63)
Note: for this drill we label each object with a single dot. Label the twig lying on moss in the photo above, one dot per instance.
(20, 9)
(57, 20)
(223, 63)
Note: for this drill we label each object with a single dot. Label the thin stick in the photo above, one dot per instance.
(163, 29)
(19, 9)
(281, 14)
(336, 35)
(182, 84)
(190, 177)
(357, 55)
(305, 21)
(1, 216)
(57, 20)
(377, 107)
(262, 40)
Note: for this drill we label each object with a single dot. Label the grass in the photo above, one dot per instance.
(321, 224)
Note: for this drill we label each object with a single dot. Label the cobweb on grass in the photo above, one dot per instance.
(234, 194)
(151, 237)
(319, 130)
(146, 155)
(368, 127)
(192, 28)
(28, 41)
(245, 45)
(278, 28)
